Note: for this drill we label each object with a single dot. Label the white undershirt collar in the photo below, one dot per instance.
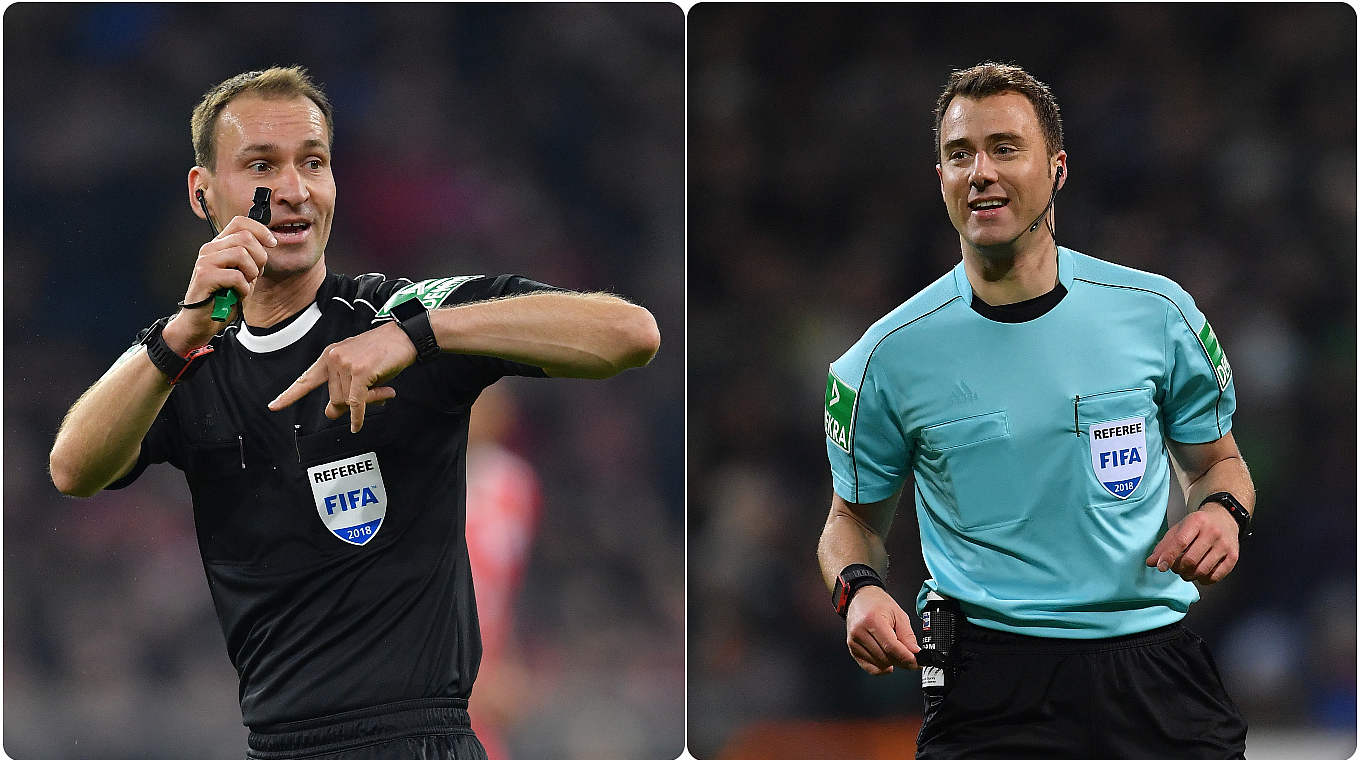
(263, 344)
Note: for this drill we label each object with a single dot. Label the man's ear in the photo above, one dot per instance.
(198, 183)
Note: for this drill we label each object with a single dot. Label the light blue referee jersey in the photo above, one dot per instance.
(1037, 447)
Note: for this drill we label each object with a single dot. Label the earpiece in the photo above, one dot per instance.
(203, 204)
(1059, 176)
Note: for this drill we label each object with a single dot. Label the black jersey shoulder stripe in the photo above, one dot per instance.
(364, 285)
(350, 303)
(1218, 418)
(854, 413)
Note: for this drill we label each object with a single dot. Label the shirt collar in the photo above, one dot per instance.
(965, 288)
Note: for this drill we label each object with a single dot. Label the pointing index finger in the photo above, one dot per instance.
(306, 383)
(358, 394)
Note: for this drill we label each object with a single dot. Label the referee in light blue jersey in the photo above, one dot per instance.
(1033, 393)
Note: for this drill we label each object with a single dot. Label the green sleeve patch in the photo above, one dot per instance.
(1217, 359)
(839, 415)
(430, 292)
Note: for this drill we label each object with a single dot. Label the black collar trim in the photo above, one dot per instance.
(1023, 311)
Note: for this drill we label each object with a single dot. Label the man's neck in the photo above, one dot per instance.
(1000, 278)
(273, 301)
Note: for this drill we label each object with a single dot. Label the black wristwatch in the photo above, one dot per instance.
(852, 579)
(1235, 508)
(414, 320)
(176, 368)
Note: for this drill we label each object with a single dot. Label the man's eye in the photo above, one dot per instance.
(1005, 149)
(958, 155)
(313, 164)
(258, 166)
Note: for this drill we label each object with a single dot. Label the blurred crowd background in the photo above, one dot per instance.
(545, 140)
(1213, 144)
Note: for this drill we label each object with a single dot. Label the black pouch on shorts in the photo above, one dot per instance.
(940, 622)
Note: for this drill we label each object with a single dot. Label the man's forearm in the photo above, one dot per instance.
(1229, 475)
(850, 537)
(102, 433)
(567, 334)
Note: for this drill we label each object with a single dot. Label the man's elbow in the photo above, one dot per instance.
(70, 479)
(68, 482)
(629, 338)
(639, 338)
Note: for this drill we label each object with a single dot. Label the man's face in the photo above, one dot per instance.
(280, 143)
(995, 172)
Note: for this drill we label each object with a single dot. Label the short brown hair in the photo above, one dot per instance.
(274, 82)
(995, 78)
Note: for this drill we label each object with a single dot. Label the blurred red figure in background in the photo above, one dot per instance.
(502, 519)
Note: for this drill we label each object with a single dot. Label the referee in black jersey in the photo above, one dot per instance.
(322, 425)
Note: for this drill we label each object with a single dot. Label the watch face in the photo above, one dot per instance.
(1235, 508)
(840, 598)
(407, 309)
(1229, 503)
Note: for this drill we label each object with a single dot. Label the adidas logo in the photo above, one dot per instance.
(962, 393)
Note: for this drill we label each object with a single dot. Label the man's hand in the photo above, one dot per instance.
(1202, 547)
(233, 259)
(355, 369)
(879, 633)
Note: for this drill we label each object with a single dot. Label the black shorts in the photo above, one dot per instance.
(1154, 695)
(424, 729)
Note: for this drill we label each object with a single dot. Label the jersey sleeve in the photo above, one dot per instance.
(1200, 398)
(465, 375)
(864, 441)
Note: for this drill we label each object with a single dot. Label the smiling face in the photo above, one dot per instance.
(280, 143)
(995, 173)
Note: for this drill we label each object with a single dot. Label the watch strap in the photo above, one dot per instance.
(850, 580)
(414, 320)
(175, 367)
(1234, 507)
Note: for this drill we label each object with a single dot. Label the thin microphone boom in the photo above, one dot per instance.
(1051, 198)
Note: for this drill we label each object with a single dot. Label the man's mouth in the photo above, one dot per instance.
(987, 204)
(290, 232)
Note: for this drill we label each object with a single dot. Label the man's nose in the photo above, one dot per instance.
(292, 187)
(984, 171)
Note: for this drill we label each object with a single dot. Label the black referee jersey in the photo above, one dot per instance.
(337, 561)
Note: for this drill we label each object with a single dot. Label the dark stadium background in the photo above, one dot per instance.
(540, 139)
(1214, 144)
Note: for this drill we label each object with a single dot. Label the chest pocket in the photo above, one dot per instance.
(974, 460)
(266, 514)
(348, 491)
(240, 496)
(336, 441)
(1117, 444)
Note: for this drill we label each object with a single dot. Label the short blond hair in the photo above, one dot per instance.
(273, 82)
